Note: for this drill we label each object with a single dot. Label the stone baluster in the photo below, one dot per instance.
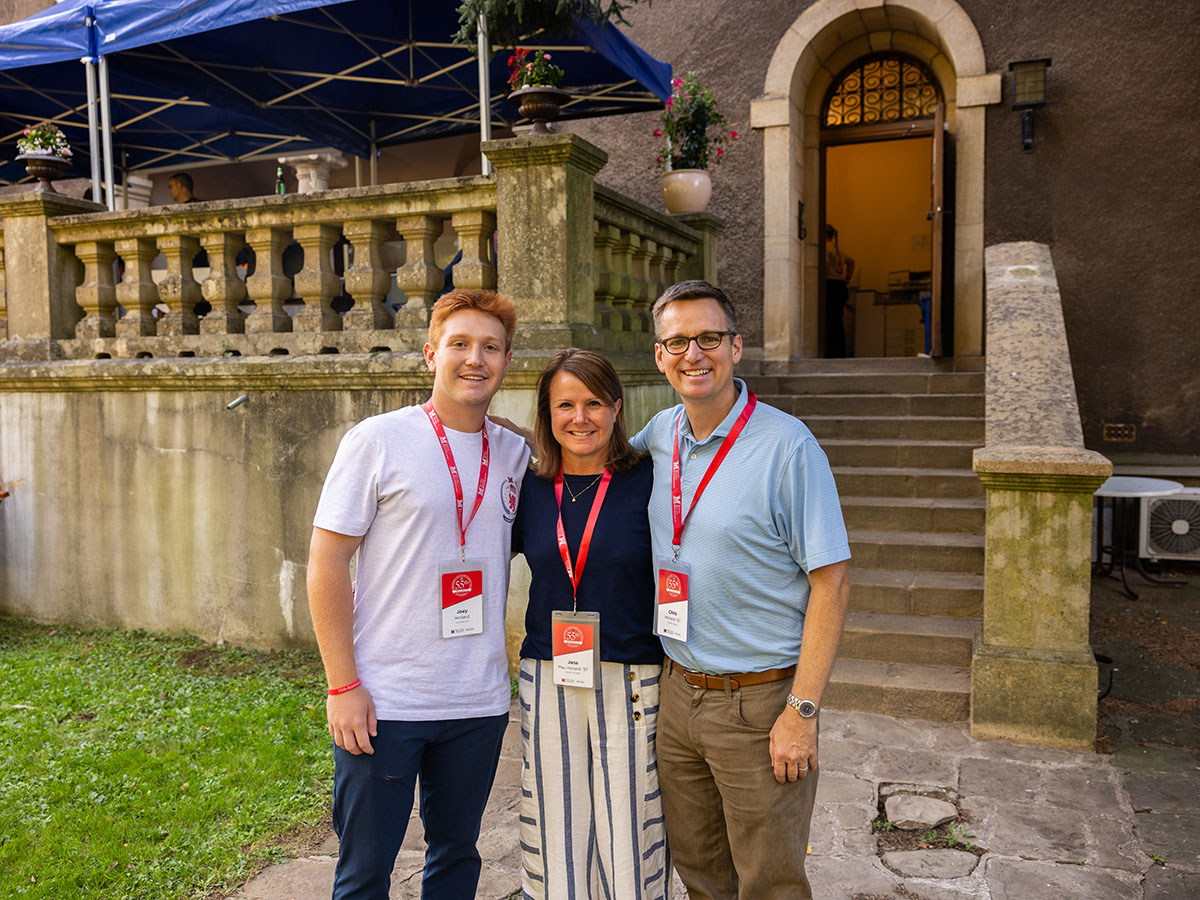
(179, 290)
(658, 271)
(268, 287)
(96, 295)
(674, 266)
(3, 295)
(222, 288)
(316, 283)
(366, 280)
(419, 277)
(644, 251)
(475, 269)
(623, 282)
(604, 241)
(137, 291)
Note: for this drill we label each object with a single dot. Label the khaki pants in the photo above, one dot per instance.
(734, 832)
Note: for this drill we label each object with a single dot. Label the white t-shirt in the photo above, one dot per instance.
(389, 482)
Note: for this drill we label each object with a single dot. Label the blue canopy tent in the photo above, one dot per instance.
(231, 79)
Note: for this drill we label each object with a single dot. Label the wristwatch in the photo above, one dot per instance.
(806, 708)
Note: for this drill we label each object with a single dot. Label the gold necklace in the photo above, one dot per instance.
(575, 496)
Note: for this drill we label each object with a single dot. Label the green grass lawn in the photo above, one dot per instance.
(140, 766)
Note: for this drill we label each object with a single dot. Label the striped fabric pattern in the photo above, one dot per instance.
(591, 812)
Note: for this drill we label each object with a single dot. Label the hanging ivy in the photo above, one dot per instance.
(509, 22)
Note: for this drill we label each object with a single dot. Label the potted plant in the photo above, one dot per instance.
(695, 138)
(533, 84)
(45, 152)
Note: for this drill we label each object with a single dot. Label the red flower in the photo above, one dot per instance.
(733, 135)
(658, 132)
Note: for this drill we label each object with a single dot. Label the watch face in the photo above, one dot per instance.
(807, 709)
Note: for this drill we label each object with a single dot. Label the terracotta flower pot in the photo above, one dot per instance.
(686, 190)
(45, 169)
(540, 104)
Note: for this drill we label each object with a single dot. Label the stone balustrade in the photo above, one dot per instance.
(1033, 675)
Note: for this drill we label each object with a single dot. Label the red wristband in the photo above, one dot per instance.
(346, 687)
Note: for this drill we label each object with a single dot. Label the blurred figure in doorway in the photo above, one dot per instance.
(839, 269)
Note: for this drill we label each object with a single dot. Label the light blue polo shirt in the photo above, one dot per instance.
(769, 515)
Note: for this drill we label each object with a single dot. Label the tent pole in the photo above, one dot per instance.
(93, 134)
(374, 157)
(106, 133)
(357, 172)
(485, 92)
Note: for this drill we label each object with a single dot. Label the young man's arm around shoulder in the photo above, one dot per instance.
(351, 714)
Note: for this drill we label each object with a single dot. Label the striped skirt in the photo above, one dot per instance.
(591, 813)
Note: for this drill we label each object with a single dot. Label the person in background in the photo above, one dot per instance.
(181, 186)
(591, 815)
(839, 269)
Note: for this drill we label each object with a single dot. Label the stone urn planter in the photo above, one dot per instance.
(540, 104)
(45, 169)
(686, 190)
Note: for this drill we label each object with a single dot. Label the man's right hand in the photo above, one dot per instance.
(352, 721)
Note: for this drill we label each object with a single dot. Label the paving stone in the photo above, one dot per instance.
(1016, 879)
(886, 731)
(855, 826)
(845, 756)
(953, 737)
(914, 767)
(1031, 753)
(1040, 832)
(1163, 792)
(994, 778)
(1172, 836)
(1113, 843)
(969, 888)
(1154, 758)
(825, 829)
(838, 787)
(841, 877)
(1165, 883)
(301, 879)
(1085, 790)
(931, 863)
(912, 811)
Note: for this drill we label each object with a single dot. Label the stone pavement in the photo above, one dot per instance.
(1055, 824)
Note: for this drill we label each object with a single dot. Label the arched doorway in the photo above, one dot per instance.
(883, 170)
(824, 41)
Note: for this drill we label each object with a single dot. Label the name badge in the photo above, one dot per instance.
(576, 647)
(671, 613)
(462, 586)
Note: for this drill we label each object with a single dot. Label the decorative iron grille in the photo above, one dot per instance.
(882, 89)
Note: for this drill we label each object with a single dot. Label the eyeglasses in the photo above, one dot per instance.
(708, 340)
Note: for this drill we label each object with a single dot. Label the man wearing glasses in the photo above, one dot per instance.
(750, 552)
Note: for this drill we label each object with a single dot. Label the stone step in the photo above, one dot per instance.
(917, 551)
(887, 481)
(913, 428)
(914, 513)
(923, 640)
(902, 453)
(877, 404)
(869, 383)
(937, 693)
(918, 593)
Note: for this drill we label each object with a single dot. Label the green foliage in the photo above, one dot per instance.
(882, 824)
(510, 22)
(692, 127)
(43, 140)
(139, 766)
(1156, 859)
(530, 68)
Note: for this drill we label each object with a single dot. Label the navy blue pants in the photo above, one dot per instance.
(373, 798)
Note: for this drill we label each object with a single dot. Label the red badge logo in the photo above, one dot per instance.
(572, 637)
(461, 586)
(674, 586)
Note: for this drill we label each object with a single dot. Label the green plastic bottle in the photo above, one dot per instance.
(280, 187)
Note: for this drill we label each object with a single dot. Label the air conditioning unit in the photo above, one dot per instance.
(1170, 526)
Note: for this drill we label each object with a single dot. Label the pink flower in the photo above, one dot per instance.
(660, 159)
(545, 56)
(670, 100)
(720, 151)
(677, 82)
(528, 65)
(658, 132)
(733, 135)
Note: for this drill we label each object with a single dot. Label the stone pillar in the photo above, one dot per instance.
(366, 280)
(312, 170)
(179, 290)
(644, 250)
(222, 288)
(40, 275)
(420, 277)
(268, 287)
(1033, 676)
(602, 275)
(474, 228)
(137, 291)
(315, 283)
(545, 210)
(96, 295)
(624, 285)
(704, 265)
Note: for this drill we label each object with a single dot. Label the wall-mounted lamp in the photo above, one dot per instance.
(1028, 93)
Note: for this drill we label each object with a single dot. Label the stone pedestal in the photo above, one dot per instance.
(312, 169)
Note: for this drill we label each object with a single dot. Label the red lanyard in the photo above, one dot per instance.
(677, 518)
(586, 541)
(458, 491)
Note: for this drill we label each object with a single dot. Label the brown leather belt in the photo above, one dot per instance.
(734, 680)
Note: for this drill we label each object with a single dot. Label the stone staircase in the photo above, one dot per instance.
(899, 435)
